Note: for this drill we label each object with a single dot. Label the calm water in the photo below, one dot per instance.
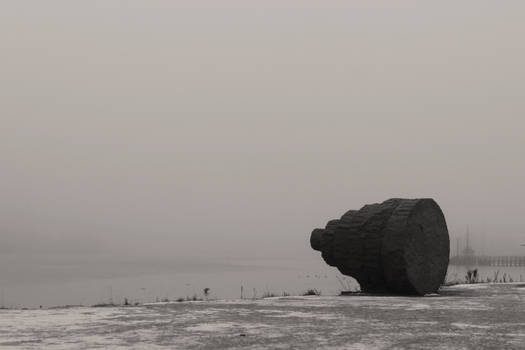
(52, 280)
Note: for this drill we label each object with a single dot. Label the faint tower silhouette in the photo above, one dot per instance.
(468, 254)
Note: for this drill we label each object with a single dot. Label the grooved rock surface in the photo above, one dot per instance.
(399, 246)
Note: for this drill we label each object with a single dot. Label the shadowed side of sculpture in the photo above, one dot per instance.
(399, 246)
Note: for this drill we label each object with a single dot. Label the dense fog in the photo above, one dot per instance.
(220, 131)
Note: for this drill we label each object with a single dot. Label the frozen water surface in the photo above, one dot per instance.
(460, 317)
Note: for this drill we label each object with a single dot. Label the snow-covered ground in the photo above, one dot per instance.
(461, 317)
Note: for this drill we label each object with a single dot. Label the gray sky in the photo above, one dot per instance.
(232, 128)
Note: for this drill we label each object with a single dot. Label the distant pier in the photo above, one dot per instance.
(486, 260)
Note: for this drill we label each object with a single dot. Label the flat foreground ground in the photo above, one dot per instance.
(478, 316)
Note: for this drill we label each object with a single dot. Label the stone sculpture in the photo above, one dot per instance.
(400, 246)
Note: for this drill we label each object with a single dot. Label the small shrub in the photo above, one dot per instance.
(269, 294)
(312, 292)
(472, 276)
(496, 274)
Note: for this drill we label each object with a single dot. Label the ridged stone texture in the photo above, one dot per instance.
(400, 246)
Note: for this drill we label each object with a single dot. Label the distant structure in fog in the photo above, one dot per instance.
(467, 256)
